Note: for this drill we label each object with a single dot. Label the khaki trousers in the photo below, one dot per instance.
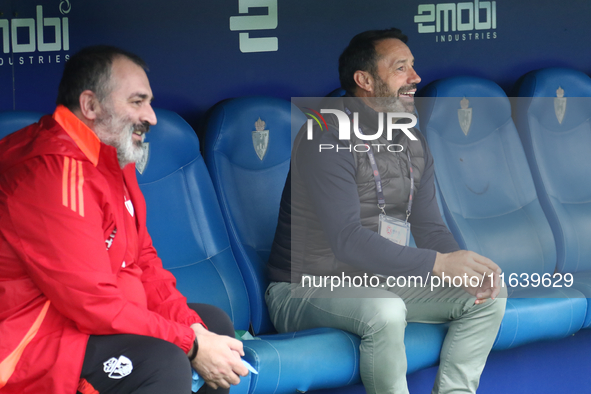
(378, 315)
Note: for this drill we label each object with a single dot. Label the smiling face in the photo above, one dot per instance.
(126, 113)
(394, 84)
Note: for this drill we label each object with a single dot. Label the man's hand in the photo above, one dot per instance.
(464, 262)
(218, 359)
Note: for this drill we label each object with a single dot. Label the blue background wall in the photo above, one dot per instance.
(196, 60)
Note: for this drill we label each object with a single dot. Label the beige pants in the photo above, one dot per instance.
(379, 316)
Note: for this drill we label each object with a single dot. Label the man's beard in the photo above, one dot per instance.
(117, 132)
(387, 101)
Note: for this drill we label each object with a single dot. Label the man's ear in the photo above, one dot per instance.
(89, 105)
(364, 82)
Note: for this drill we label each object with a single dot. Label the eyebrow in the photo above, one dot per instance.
(142, 96)
(403, 61)
(406, 60)
(397, 63)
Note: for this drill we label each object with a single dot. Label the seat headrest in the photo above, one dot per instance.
(555, 82)
(234, 125)
(171, 134)
(559, 98)
(465, 109)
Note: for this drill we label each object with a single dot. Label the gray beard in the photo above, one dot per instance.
(386, 101)
(118, 134)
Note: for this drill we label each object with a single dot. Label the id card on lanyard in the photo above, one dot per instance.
(395, 230)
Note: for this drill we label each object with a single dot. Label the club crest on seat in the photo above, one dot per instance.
(260, 138)
(560, 104)
(141, 164)
(465, 115)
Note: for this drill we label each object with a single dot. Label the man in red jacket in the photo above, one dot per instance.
(85, 304)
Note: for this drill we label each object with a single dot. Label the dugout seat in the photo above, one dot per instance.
(491, 206)
(187, 228)
(249, 188)
(553, 118)
(11, 121)
(249, 183)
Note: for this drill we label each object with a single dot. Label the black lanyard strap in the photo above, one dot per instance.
(378, 178)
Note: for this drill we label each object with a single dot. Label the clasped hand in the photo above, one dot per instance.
(218, 360)
(464, 263)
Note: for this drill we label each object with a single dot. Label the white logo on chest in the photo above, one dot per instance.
(129, 206)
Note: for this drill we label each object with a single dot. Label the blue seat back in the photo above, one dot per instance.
(185, 221)
(11, 121)
(249, 185)
(338, 92)
(556, 135)
(487, 191)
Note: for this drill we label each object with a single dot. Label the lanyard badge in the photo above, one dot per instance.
(395, 230)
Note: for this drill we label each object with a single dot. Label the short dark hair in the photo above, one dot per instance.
(90, 69)
(361, 54)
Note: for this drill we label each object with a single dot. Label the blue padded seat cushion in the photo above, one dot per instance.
(336, 367)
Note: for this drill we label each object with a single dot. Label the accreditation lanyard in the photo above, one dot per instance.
(378, 178)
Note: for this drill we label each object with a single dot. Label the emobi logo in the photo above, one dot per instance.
(345, 130)
(248, 23)
(35, 37)
(451, 22)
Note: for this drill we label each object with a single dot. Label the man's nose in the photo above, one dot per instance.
(413, 76)
(149, 115)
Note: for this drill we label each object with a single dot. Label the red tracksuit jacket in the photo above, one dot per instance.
(75, 257)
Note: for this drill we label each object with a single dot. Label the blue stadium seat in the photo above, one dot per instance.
(249, 190)
(249, 185)
(552, 115)
(185, 222)
(11, 121)
(187, 228)
(490, 203)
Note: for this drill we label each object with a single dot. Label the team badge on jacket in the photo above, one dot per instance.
(129, 206)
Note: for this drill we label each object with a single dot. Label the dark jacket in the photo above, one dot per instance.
(328, 220)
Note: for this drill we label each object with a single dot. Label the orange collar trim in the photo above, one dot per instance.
(83, 136)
